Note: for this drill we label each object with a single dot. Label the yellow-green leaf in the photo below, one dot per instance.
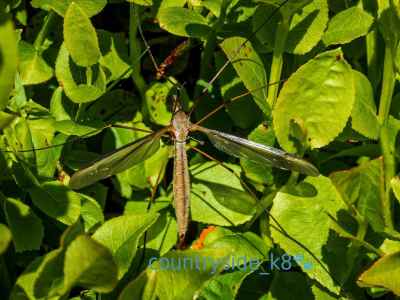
(80, 37)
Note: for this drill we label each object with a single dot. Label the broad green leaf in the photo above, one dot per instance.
(157, 103)
(249, 251)
(69, 127)
(184, 22)
(258, 172)
(395, 184)
(60, 107)
(49, 274)
(287, 8)
(5, 238)
(299, 286)
(91, 212)
(220, 205)
(224, 286)
(363, 117)
(24, 286)
(347, 25)
(142, 2)
(162, 235)
(121, 236)
(26, 228)
(89, 264)
(385, 273)
(216, 173)
(361, 186)
(80, 37)
(90, 7)
(244, 111)
(57, 201)
(6, 119)
(78, 92)
(306, 27)
(8, 58)
(318, 98)
(42, 133)
(175, 272)
(249, 67)
(32, 67)
(114, 54)
(306, 220)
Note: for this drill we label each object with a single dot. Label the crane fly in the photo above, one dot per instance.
(179, 129)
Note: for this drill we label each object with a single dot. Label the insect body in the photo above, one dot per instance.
(180, 127)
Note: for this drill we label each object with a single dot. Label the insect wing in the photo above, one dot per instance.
(117, 161)
(258, 153)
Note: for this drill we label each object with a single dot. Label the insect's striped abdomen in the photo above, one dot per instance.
(181, 190)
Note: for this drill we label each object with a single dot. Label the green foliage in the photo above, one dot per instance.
(79, 79)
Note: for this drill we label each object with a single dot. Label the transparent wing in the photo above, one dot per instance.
(117, 161)
(258, 153)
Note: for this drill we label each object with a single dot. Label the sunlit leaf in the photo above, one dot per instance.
(80, 37)
(318, 97)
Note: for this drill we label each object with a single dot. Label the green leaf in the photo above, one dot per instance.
(287, 8)
(80, 37)
(90, 7)
(395, 184)
(244, 111)
(121, 236)
(157, 104)
(8, 58)
(60, 107)
(318, 98)
(220, 205)
(91, 212)
(385, 272)
(299, 286)
(89, 264)
(26, 228)
(57, 201)
(363, 117)
(306, 27)
(49, 275)
(249, 67)
(163, 234)
(361, 185)
(69, 127)
(32, 67)
(5, 238)
(347, 25)
(114, 54)
(167, 276)
(258, 172)
(184, 22)
(76, 91)
(216, 173)
(306, 220)
(142, 2)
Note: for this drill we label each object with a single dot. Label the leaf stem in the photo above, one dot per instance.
(48, 22)
(209, 47)
(389, 164)
(134, 51)
(277, 60)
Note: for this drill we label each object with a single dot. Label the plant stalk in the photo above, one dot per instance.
(389, 164)
(135, 50)
(48, 22)
(277, 60)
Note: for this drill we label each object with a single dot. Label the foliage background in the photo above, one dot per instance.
(68, 69)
